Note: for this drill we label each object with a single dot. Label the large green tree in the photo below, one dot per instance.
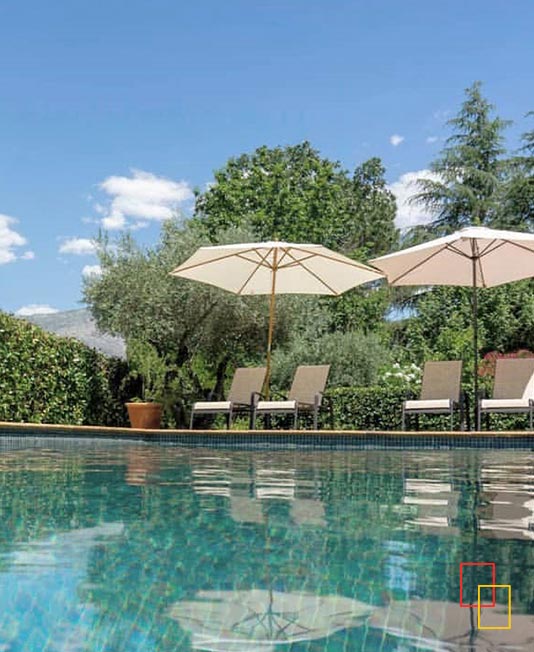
(291, 193)
(469, 170)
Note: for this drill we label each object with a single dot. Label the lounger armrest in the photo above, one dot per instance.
(318, 399)
(254, 398)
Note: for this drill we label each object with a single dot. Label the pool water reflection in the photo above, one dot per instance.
(120, 546)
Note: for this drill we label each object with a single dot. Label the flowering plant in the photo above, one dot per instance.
(401, 376)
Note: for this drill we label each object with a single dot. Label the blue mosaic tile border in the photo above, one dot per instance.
(304, 440)
(369, 441)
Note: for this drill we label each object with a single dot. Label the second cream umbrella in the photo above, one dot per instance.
(476, 257)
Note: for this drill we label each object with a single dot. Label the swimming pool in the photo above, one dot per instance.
(123, 546)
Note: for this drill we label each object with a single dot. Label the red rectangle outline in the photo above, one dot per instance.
(493, 581)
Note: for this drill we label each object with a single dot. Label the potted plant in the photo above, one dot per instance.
(150, 370)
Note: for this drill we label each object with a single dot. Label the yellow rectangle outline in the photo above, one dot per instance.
(496, 586)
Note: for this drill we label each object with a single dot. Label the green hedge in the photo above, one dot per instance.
(366, 408)
(45, 378)
(380, 408)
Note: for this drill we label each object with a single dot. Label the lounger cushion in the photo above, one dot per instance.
(212, 406)
(504, 404)
(428, 404)
(276, 406)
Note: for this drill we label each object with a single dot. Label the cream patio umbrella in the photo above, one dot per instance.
(275, 268)
(476, 256)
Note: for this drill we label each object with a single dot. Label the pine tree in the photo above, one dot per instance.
(469, 170)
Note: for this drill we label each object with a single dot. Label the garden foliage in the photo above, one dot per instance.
(49, 379)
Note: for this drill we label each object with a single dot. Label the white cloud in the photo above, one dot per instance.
(409, 214)
(140, 198)
(28, 255)
(77, 246)
(431, 139)
(396, 140)
(9, 239)
(91, 270)
(36, 309)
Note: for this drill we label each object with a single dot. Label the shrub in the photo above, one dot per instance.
(355, 359)
(49, 379)
(366, 408)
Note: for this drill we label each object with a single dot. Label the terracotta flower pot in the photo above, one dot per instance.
(146, 416)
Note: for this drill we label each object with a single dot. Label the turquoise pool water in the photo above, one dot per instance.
(120, 546)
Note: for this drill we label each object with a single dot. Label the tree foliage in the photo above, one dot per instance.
(200, 330)
(443, 325)
(477, 183)
(49, 379)
(354, 358)
(291, 193)
(517, 195)
(469, 170)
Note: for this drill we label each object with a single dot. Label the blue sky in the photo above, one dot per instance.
(110, 113)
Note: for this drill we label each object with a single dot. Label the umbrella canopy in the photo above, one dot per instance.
(445, 626)
(261, 620)
(292, 268)
(275, 268)
(474, 256)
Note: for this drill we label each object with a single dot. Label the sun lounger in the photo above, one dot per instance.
(243, 395)
(440, 391)
(513, 389)
(305, 396)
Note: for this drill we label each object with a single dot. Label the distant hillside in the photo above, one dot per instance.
(80, 325)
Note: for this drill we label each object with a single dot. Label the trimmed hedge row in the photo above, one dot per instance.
(45, 378)
(365, 408)
(380, 408)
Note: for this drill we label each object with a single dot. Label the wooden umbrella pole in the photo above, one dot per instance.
(272, 306)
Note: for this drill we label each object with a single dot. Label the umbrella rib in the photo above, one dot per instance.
(455, 250)
(296, 261)
(491, 247)
(344, 260)
(213, 260)
(419, 264)
(316, 276)
(258, 265)
(520, 246)
(481, 272)
(285, 251)
(261, 260)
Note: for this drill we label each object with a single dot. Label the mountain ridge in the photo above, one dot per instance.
(79, 324)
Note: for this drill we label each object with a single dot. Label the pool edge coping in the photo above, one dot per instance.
(34, 429)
